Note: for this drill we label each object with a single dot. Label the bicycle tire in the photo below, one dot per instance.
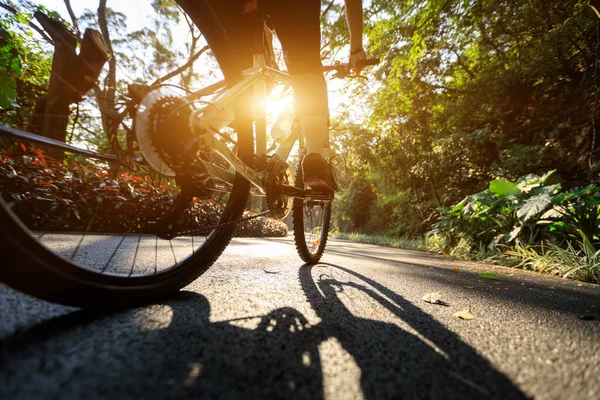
(311, 250)
(32, 268)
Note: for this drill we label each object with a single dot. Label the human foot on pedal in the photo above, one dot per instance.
(318, 173)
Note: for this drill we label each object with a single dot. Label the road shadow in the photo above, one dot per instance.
(171, 349)
(526, 287)
(430, 363)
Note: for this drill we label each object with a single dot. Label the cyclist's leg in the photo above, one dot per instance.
(298, 27)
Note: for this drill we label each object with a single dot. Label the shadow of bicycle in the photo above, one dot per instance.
(171, 349)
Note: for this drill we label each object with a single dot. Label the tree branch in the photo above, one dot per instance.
(182, 68)
(31, 24)
(73, 19)
(327, 8)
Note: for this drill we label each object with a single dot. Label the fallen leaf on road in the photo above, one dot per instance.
(469, 287)
(464, 314)
(434, 298)
(489, 275)
(271, 271)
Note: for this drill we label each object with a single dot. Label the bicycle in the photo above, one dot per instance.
(82, 263)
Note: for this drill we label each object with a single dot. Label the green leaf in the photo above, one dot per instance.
(503, 188)
(534, 206)
(547, 175)
(8, 89)
(558, 226)
(489, 275)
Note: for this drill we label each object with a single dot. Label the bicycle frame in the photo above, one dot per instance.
(254, 79)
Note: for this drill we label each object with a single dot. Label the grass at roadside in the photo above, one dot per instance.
(398, 243)
(581, 265)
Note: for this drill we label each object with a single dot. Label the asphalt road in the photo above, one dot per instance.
(258, 324)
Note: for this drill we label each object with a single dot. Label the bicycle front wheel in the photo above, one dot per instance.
(311, 220)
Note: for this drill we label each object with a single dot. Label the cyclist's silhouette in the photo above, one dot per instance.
(393, 362)
(191, 357)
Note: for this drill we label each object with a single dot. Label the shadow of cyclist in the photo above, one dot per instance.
(430, 363)
(169, 349)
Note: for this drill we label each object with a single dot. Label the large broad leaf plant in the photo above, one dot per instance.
(528, 210)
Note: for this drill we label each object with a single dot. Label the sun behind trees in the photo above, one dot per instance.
(467, 92)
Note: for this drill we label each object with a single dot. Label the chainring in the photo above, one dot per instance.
(279, 174)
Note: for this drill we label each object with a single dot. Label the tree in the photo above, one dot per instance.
(475, 89)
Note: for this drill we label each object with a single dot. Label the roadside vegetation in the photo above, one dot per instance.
(476, 136)
(475, 103)
(530, 224)
(76, 195)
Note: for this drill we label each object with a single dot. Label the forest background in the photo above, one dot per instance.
(468, 92)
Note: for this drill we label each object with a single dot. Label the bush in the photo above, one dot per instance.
(540, 227)
(48, 194)
(526, 210)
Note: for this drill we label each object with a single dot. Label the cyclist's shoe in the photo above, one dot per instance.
(318, 173)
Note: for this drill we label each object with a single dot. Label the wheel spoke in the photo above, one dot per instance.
(136, 252)
(156, 255)
(173, 251)
(87, 229)
(122, 240)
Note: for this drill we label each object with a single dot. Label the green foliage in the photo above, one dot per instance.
(352, 211)
(580, 212)
(579, 263)
(502, 214)
(543, 228)
(69, 196)
(381, 240)
(471, 90)
(24, 68)
(8, 88)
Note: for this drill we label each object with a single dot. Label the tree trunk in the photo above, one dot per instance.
(60, 91)
(71, 77)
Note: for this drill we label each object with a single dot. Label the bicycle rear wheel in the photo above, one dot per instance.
(311, 221)
(80, 232)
